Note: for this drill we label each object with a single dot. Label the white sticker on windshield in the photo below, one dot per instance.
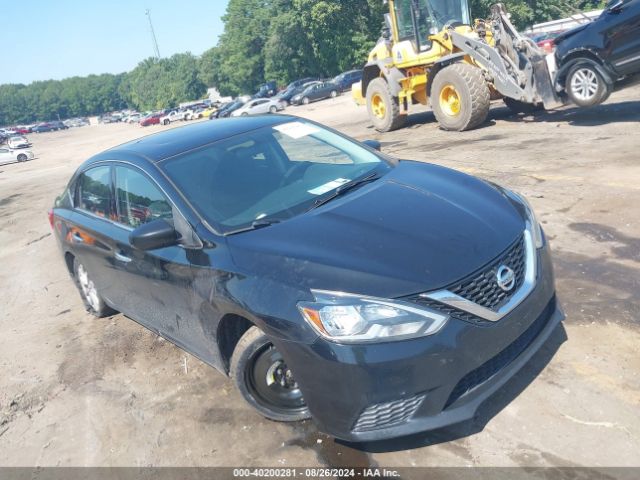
(296, 129)
(328, 186)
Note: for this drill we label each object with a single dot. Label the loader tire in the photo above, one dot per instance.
(516, 106)
(460, 97)
(383, 107)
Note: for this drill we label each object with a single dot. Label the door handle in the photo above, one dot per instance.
(77, 238)
(122, 258)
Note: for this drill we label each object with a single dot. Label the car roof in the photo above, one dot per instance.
(162, 145)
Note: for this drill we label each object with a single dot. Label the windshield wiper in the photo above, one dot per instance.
(253, 226)
(344, 188)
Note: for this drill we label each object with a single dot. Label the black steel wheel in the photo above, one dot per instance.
(265, 380)
(22, 157)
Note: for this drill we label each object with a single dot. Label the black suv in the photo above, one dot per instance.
(592, 57)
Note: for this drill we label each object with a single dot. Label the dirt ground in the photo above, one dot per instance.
(84, 392)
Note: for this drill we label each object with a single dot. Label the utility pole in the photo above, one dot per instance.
(153, 34)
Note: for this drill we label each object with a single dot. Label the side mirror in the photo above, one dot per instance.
(153, 235)
(615, 6)
(373, 144)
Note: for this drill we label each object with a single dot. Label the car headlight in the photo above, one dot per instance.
(342, 317)
(536, 229)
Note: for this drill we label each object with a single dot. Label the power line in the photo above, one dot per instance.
(153, 34)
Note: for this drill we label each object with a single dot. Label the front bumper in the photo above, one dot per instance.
(378, 391)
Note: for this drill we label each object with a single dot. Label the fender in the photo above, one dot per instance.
(583, 60)
(439, 65)
(382, 68)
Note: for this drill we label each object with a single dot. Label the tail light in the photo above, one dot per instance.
(51, 218)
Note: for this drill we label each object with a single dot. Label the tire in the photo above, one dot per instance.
(244, 114)
(516, 106)
(460, 97)
(334, 94)
(166, 122)
(273, 109)
(305, 100)
(383, 107)
(92, 300)
(585, 86)
(256, 362)
(22, 157)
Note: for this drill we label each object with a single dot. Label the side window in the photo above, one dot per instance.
(93, 192)
(139, 200)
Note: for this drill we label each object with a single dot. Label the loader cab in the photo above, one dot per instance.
(415, 20)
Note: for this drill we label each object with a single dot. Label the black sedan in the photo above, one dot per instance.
(380, 297)
(314, 92)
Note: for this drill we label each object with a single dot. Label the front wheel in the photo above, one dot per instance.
(273, 109)
(383, 107)
(585, 86)
(22, 157)
(305, 101)
(460, 97)
(265, 380)
(334, 94)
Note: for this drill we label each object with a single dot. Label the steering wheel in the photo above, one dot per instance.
(298, 167)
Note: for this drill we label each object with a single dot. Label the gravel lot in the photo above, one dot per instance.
(78, 391)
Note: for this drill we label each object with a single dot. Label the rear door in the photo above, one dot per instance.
(90, 227)
(6, 156)
(623, 38)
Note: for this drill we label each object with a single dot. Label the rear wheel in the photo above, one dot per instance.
(93, 302)
(383, 107)
(22, 157)
(460, 97)
(585, 86)
(167, 122)
(516, 106)
(264, 379)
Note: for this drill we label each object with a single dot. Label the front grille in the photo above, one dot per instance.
(482, 288)
(382, 415)
(488, 369)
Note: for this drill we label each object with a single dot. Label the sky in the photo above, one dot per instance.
(55, 39)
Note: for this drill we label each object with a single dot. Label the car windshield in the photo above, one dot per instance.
(270, 174)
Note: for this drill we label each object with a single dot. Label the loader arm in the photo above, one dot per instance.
(518, 68)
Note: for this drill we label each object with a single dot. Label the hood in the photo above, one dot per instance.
(419, 228)
(570, 33)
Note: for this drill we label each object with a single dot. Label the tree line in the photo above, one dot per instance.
(278, 40)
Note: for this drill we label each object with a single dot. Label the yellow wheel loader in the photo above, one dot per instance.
(431, 51)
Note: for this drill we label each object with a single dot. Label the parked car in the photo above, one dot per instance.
(267, 90)
(591, 58)
(346, 79)
(132, 118)
(229, 109)
(380, 297)
(316, 91)
(23, 130)
(291, 92)
(8, 155)
(45, 127)
(173, 116)
(151, 119)
(258, 106)
(18, 142)
(208, 111)
(7, 132)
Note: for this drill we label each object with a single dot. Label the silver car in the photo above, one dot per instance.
(258, 106)
(18, 142)
(8, 155)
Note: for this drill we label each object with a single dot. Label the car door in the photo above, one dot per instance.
(316, 92)
(154, 287)
(261, 106)
(6, 156)
(623, 37)
(89, 227)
